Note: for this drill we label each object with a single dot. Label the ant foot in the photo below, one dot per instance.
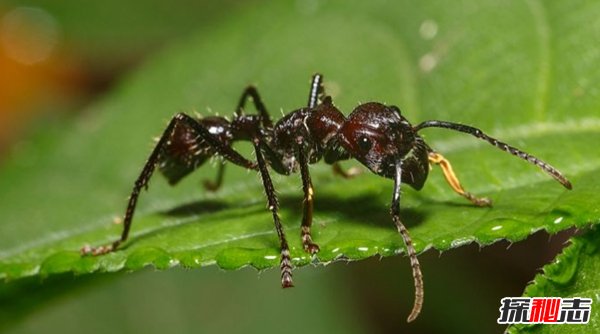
(346, 174)
(479, 201)
(311, 248)
(286, 281)
(95, 251)
(211, 186)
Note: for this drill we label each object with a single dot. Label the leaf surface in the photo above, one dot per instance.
(522, 71)
(574, 273)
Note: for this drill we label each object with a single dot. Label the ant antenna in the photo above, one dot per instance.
(503, 146)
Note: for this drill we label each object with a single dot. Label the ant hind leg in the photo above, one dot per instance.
(216, 184)
(252, 92)
(154, 159)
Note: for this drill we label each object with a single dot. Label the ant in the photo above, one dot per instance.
(375, 134)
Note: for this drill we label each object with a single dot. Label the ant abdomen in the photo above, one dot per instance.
(185, 150)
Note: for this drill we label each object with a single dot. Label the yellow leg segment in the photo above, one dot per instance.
(438, 159)
(350, 173)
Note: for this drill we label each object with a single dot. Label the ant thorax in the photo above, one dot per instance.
(313, 130)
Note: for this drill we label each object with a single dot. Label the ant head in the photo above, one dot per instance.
(378, 136)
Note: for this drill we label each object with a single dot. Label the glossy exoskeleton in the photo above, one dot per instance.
(375, 134)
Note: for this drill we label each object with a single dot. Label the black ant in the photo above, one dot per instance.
(375, 134)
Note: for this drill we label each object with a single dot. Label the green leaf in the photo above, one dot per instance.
(572, 274)
(522, 71)
(90, 29)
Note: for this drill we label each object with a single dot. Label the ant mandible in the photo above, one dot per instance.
(375, 134)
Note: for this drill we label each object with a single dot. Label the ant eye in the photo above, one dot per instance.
(364, 143)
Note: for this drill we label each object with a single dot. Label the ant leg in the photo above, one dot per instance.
(317, 91)
(215, 185)
(252, 92)
(346, 174)
(249, 92)
(307, 212)
(438, 159)
(333, 156)
(410, 249)
(273, 203)
(142, 181)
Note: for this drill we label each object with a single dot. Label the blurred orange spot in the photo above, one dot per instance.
(36, 72)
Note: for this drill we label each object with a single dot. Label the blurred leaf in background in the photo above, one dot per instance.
(522, 70)
(574, 273)
(56, 56)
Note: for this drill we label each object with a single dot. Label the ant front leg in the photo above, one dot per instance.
(307, 213)
(438, 159)
(285, 263)
(410, 248)
(346, 174)
(142, 181)
(333, 156)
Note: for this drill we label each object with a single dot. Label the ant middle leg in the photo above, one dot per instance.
(346, 174)
(315, 96)
(333, 156)
(197, 130)
(438, 159)
(307, 212)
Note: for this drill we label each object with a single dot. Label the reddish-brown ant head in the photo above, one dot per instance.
(377, 136)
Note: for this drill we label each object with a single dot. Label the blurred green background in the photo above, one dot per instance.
(62, 56)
